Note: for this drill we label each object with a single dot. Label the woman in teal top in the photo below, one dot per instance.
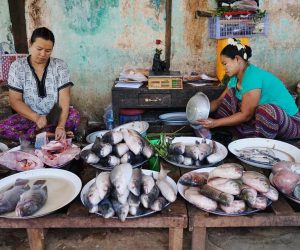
(255, 101)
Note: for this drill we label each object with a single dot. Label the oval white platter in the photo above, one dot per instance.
(282, 150)
(174, 116)
(221, 150)
(181, 189)
(58, 181)
(91, 138)
(86, 187)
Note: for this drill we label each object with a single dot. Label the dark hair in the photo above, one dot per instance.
(232, 51)
(42, 32)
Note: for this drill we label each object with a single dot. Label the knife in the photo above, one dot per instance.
(54, 114)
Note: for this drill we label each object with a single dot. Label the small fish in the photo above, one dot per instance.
(120, 209)
(256, 180)
(33, 199)
(10, 197)
(193, 196)
(112, 137)
(120, 149)
(176, 158)
(159, 203)
(101, 149)
(106, 209)
(194, 179)
(192, 151)
(272, 194)
(248, 194)
(136, 182)
(226, 185)
(228, 171)
(103, 184)
(236, 207)
(164, 186)
(177, 148)
(120, 177)
(147, 183)
(89, 156)
(133, 141)
(148, 199)
(219, 196)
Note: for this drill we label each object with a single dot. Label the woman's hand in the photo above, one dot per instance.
(41, 122)
(208, 123)
(60, 133)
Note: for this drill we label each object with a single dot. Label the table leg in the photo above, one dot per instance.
(198, 238)
(36, 238)
(175, 238)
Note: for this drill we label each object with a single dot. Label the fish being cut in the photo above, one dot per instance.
(33, 199)
(20, 161)
(10, 197)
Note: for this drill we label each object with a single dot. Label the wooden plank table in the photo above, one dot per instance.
(76, 215)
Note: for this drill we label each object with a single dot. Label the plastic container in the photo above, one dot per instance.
(236, 26)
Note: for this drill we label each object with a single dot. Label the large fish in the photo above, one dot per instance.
(164, 186)
(136, 182)
(120, 149)
(148, 199)
(133, 141)
(120, 209)
(89, 156)
(106, 209)
(112, 137)
(226, 185)
(248, 194)
(120, 177)
(33, 199)
(159, 203)
(177, 148)
(147, 183)
(10, 197)
(256, 180)
(237, 206)
(228, 171)
(194, 179)
(219, 196)
(20, 161)
(192, 151)
(103, 184)
(93, 195)
(193, 196)
(100, 148)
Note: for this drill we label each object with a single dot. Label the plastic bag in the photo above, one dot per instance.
(108, 117)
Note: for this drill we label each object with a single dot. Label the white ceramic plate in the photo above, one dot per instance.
(282, 150)
(3, 147)
(221, 151)
(291, 197)
(139, 126)
(63, 186)
(181, 189)
(146, 172)
(91, 138)
(176, 123)
(175, 116)
(101, 167)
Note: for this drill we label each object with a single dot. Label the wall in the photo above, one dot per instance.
(98, 38)
(5, 27)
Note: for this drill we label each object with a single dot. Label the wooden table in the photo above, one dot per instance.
(76, 215)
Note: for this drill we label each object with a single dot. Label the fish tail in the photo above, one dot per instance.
(39, 182)
(21, 182)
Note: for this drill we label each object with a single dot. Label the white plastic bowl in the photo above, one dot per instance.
(197, 108)
(139, 126)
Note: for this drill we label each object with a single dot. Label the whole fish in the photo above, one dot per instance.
(120, 149)
(131, 158)
(148, 199)
(177, 148)
(136, 182)
(192, 151)
(261, 202)
(204, 150)
(219, 196)
(10, 197)
(32, 200)
(237, 206)
(112, 137)
(133, 141)
(256, 180)
(120, 209)
(176, 158)
(93, 194)
(248, 194)
(164, 186)
(148, 151)
(92, 208)
(103, 184)
(106, 209)
(285, 181)
(159, 203)
(272, 194)
(89, 156)
(112, 161)
(225, 185)
(193, 179)
(100, 148)
(120, 177)
(228, 171)
(147, 183)
(193, 196)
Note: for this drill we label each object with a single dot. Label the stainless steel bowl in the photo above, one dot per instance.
(197, 108)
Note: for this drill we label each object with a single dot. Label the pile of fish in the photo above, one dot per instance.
(286, 177)
(259, 155)
(57, 153)
(228, 188)
(20, 161)
(198, 154)
(116, 147)
(23, 199)
(126, 191)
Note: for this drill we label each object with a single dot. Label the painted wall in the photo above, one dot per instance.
(99, 38)
(5, 24)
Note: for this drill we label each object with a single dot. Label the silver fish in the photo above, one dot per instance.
(92, 208)
(134, 203)
(112, 137)
(256, 180)
(177, 148)
(113, 161)
(159, 203)
(204, 149)
(89, 156)
(93, 195)
(122, 198)
(120, 209)
(261, 202)
(136, 182)
(237, 206)
(120, 149)
(148, 199)
(194, 179)
(176, 158)
(192, 151)
(101, 149)
(296, 191)
(33, 199)
(133, 141)
(147, 183)
(193, 196)
(103, 184)
(10, 197)
(226, 185)
(120, 177)
(106, 209)
(164, 186)
(227, 170)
